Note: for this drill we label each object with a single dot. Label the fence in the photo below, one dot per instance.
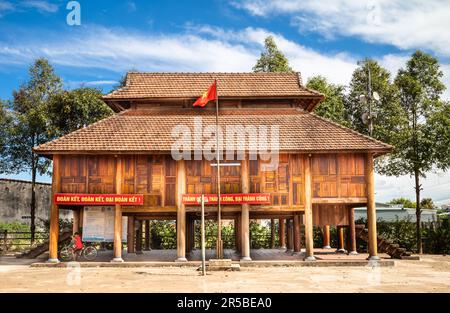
(19, 240)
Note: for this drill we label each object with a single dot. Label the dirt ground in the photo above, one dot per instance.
(430, 274)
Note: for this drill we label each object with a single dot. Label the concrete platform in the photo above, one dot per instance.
(260, 258)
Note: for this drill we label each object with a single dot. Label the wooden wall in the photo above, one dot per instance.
(338, 175)
(334, 176)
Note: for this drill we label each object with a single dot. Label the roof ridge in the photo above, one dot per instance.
(206, 73)
(115, 115)
(351, 130)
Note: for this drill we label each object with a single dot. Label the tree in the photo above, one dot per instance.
(385, 112)
(333, 107)
(427, 204)
(418, 147)
(73, 109)
(32, 125)
(406, 203)
(6, 122)
(272, 59)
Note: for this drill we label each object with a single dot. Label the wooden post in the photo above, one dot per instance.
(181, 212)
(5, 241)
(326, 237)
(290, 234)
(118, 214)
(54, 212)
(245, 214)
(282, 234)
(297, 245)
(371, 210)
(147, 235)
(238, 234)
(188, 233)
(309, 236)
(272, 233)
(139, 237)
(341, 240)
(352, 232)
(76, 221)
(309, 239)
(130, 235)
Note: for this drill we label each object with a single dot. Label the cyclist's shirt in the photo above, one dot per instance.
(78, 243)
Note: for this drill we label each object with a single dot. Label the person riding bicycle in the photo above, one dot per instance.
(77, 245)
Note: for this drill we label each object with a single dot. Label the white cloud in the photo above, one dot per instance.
(412, 24)
(41, 5)
(5, 6)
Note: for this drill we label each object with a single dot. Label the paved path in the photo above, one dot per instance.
(431, 274)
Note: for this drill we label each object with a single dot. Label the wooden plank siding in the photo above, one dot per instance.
(337, 179)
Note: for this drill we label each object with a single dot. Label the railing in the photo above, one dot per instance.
(19, 240)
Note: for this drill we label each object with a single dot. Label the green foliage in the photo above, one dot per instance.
(272, 59)
(428, 204)
(435, 236)
(73, 109)
(32, 124)
(419, 145)
(163, 234)
(260, 235)
(6, 122)
(386, 112)
(403, 201)
(14, 226)
(333, 107)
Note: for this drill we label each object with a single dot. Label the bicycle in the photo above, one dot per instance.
(88, 252)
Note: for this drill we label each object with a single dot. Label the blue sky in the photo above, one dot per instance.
(323, 37)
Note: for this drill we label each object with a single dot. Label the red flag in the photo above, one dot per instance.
(208, 95)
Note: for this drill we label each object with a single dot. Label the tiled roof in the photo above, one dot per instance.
(192, 85)
(150, 131)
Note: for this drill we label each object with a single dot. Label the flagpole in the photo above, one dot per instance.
(219, 217)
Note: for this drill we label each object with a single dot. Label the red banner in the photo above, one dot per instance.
(237, 198)
(98, 199)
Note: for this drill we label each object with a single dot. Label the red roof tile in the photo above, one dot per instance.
(150, 131)
(192, 85)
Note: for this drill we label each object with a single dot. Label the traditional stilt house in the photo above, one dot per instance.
(148, 160)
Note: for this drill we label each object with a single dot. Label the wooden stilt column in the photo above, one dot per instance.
(130, 235)
(54, 212)
(326, 237)
(147, 235)
(297, 245)
(341, 240)
(282, 233)
(290, 234)
(76, 221)
(245, 214)
(309, 239)
(352, 232)
(371, 211)
(181, 212)
(272, 233)
(118, 214)
(238, 234)
(139, 237)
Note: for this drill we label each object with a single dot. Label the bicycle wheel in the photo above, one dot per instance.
(90, 253)
(66, 254)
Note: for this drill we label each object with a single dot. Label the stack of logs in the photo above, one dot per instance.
(384, 245)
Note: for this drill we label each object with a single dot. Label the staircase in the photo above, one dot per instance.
(384, 245)
(43, 247)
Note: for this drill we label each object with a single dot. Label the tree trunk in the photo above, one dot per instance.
(33, 201)
(272, 233)
(418, 212)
